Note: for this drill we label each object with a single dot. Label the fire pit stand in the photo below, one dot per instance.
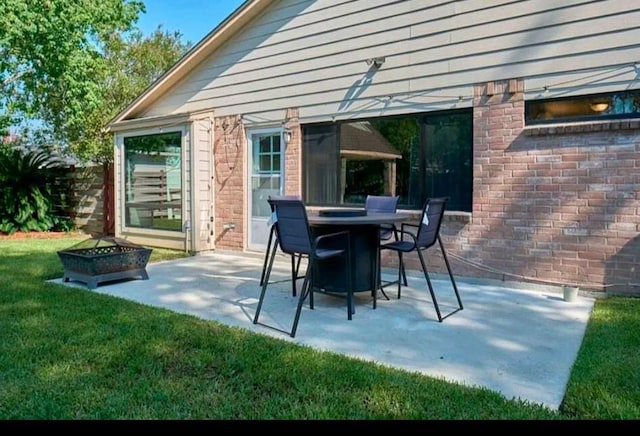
(105, 259)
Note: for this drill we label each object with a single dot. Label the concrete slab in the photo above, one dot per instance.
(519, 342)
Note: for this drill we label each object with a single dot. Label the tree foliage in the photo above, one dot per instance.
(50, 54)
(67, 67)
(131, 63)
(72, 65)
(33, 192)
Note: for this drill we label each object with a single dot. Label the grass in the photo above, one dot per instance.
(605, 381)
(69, 354)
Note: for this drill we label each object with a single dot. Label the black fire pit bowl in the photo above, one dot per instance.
(97, 260)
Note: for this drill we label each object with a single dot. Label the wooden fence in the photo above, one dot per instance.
(93, 199)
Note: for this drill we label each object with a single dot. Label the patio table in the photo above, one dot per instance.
(365, 245)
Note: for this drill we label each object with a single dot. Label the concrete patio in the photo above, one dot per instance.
(518, 341)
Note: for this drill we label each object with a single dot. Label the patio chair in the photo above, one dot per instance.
(271, 250)
(385, 204)
(428, 232)
(295, 238)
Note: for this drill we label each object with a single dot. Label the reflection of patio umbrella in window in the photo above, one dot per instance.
(361, 141)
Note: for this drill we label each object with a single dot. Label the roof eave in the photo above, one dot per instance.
(246, 12)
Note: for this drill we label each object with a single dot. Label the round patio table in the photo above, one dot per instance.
(364, 229)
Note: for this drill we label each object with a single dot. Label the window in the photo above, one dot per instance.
(153, 181)
(266, 170)
(414, 157)
(609, 106)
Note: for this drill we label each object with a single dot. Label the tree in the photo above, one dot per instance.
(67, 67)
(50, 56)
(72, 65)
(131, 63)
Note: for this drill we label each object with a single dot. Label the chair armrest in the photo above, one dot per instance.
(323, 238)
(415, 226)
(403, 232)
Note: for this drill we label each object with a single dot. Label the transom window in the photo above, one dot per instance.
(153, 181)
(414, 157)
(584, 108)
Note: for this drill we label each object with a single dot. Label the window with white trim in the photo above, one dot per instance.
(153, 181)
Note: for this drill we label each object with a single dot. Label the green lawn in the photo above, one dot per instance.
(66, 353)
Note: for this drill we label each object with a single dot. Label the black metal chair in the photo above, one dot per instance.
(294, 236)
(385, 204)
(428, 232)
(271, 250)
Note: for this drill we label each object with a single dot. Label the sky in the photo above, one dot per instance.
(192, 18)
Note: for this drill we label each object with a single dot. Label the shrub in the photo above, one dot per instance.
(31, 192)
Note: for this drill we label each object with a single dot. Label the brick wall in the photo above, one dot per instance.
(230, 180)
(550, 205)
(293, 155)
(228, 153)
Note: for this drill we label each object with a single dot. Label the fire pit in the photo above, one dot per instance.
(105, 259)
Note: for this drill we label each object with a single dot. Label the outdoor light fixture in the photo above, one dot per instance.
(599, 106)
(286, 136)
(376, 62)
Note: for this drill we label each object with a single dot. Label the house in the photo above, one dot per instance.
(525, 113)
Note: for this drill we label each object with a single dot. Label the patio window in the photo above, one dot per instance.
(414, 157)
(608, 106)
(153, 181)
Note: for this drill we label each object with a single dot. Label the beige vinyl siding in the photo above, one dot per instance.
(187, 187)
(311, 55)
(118, 191)
(561, 85)
(202, 173)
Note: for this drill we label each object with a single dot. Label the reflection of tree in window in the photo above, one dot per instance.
(623, 104)
(448, 159)
(363, 178)
(402, 134)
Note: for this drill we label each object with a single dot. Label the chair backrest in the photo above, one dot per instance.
(382, 204)
(279, 197)
(283, 197)
(292, 225)
(430, 221)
